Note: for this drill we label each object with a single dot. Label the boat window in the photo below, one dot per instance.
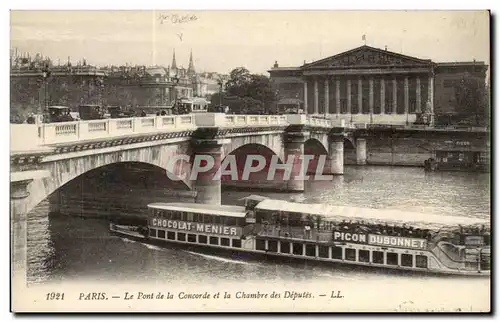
(207, 219)
(350, 254)
(337, 252)
(421, 261)
(392, 258)
(224, 241)
(152, 232)
(377, 257)
(176, 215)
(364, 256)
(272, 246)
(311, 250)
(297, 249)
(214, 240)
(231, 221)
(189, 216)
(181, 236)
(161, 234)
(171, 235)
(183, 216)
(323, 251)
(285, 247)
(198, 217)
(237, 243)
(260, 244)
(240, 221)
(407, 260)
(202, 239)
(192, 238)
(167, 215)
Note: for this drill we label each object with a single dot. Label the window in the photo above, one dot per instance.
(350, 254)
(323, 251)
(189, 216)
(364, 256)
(407, 260)
(260, 244)
(161, 234)
(337, 252)
(311, 250)
(152, 232)
(171, 235)
(214, 240)
(378, 257)
(237, 243)
(181, 236)
(272, 246)
(421, 261)
(183, 216)
(192, 238)
(202, 239)
(224, 242)
(392, 259)
(285, 247)
(297, 249)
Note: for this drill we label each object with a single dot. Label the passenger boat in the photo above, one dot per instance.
(364, 237)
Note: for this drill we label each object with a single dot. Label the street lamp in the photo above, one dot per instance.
(176, 81)
(220, 83)
(45, 75)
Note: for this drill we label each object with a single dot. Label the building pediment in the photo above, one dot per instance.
(366, 56)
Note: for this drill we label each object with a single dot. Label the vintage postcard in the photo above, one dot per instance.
(250, 161)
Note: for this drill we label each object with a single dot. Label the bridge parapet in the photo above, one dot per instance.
(53, 133)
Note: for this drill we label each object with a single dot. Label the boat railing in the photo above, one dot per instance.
(291, 232)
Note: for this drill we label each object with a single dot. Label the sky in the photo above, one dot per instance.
(223, 40)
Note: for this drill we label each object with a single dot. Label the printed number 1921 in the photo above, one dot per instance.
(54, 296)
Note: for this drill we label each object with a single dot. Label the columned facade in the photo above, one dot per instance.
(367, 85)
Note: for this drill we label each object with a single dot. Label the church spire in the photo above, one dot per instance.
(191, 64)
(174, 65)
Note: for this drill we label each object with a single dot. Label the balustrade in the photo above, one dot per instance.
(55, 133)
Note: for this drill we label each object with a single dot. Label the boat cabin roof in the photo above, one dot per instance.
(371, 216)
(56, 107)
(214, 210)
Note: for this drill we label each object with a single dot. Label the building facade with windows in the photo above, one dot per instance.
(372, 85)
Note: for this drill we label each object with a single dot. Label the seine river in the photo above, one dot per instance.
(80, 248)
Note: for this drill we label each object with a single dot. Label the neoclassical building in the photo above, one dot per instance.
(372, 85)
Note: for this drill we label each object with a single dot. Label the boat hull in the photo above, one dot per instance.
(255, 255)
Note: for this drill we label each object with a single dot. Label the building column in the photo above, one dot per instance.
(382, 96)
(430, 98)
(361, 151)
(336, 154)
(208, 188)
(305, 97)
(337, 97)
(327, 96)
(407, 95)
(19, 229)
(294, 149)
(349, 111)
(370, 99)
(394, 96)
(418, 108)
(360, 96)
(316, 97)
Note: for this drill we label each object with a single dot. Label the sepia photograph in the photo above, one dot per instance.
(250, 161)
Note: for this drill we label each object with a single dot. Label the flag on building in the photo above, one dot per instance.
(363, 38)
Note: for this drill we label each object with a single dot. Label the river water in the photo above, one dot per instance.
(80, 248)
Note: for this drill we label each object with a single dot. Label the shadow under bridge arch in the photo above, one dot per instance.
(314, 149)
(122, 188)
(250, 165)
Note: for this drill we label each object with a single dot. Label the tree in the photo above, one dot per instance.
(472, 99)
(255, 92)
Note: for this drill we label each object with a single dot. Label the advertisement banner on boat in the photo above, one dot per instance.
(395, 241)
(197, 228)
(350, 237)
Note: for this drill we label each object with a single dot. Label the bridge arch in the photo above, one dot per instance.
(65, 171)
(316, 148)
(240, 155)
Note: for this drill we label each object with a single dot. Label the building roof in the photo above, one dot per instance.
(156, 71)
(206, 209)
